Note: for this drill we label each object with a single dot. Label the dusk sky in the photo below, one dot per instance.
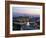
(26, 10)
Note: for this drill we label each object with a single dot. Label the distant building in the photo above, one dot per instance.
(23, 19)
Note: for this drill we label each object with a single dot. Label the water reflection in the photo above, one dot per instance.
(26, 23)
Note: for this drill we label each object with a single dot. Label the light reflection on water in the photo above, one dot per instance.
(28, 24)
